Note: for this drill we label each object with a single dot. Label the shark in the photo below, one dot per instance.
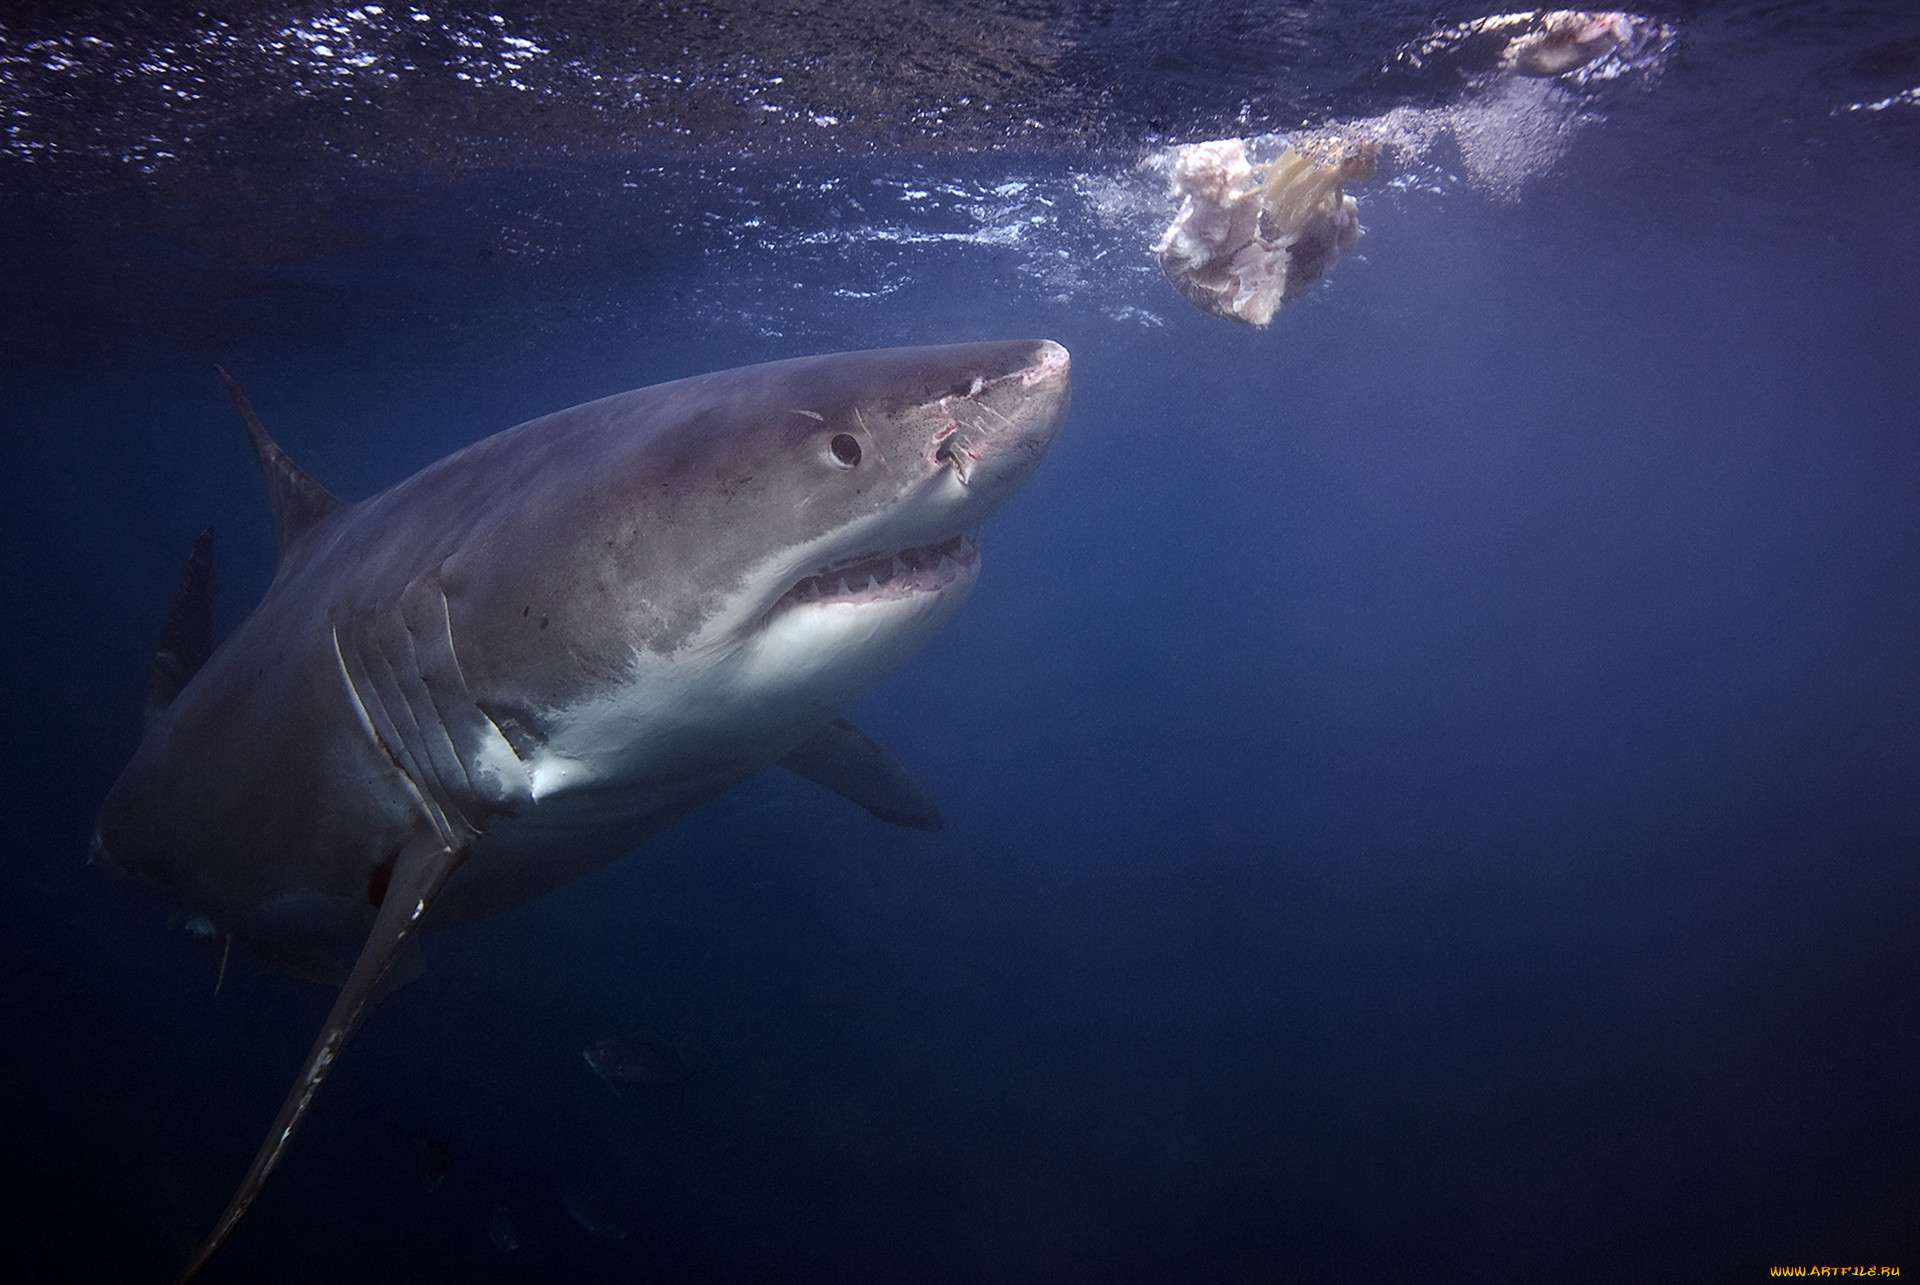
(540, 651)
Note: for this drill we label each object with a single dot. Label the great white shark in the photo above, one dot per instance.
(542, 650)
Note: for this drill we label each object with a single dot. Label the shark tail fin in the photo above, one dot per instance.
(298, 501)
(187, 639)
(419, 873)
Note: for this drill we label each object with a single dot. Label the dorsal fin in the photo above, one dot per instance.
(298, 501)
(187, 639)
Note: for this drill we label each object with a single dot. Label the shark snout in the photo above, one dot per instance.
(1052, 364)
(1000, 434)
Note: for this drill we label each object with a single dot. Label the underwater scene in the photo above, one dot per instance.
(1240, 641)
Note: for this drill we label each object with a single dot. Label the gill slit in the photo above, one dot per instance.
(460, 672)
(434, 816)
(346, 680)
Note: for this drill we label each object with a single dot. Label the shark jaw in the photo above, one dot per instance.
(757, 686)
(886, 577)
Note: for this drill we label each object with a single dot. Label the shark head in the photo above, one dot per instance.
(756, 549)
(886, 484)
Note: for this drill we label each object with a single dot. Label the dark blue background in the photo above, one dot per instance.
(1433, 787)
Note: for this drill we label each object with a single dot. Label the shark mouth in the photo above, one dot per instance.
(885, 577)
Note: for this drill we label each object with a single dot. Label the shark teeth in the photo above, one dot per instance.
(885, 576)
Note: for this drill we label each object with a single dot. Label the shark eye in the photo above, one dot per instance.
(844, 449)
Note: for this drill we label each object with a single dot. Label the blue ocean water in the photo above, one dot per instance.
(1433, 784)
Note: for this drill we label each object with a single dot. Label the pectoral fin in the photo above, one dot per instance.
(419, 873)
(851, 764)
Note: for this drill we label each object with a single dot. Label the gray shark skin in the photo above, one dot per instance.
(542, 650)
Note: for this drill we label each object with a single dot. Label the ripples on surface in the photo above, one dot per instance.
(443, 87)
(266, 168)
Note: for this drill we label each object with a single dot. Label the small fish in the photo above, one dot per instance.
(591, 1215)
(500, 1232)
(635, 1065)
(436, 1158)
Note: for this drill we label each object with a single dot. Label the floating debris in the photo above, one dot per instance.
(1564, 41)
(1261, 219)
(1250, 236)
(1578, 44)
(638, 1065)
